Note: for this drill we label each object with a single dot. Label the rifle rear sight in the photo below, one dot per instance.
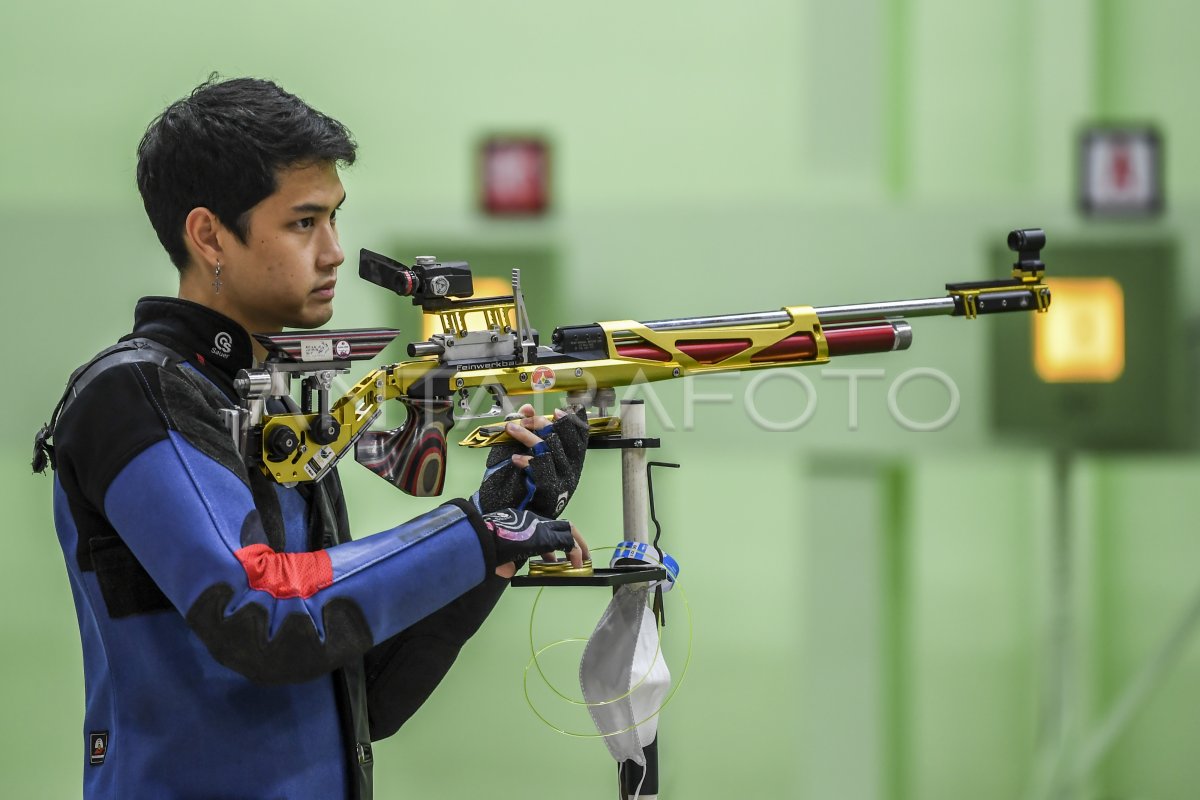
(446, 289)
(432, 285)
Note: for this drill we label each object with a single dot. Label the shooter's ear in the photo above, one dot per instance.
(203, 234)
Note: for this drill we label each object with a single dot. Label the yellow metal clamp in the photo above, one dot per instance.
(354, 412)
(495, 315)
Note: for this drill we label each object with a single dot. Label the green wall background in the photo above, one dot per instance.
(867, 633)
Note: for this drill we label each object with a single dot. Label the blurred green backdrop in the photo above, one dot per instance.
(872, 605)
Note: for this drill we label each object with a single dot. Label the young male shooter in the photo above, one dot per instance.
(236, 642)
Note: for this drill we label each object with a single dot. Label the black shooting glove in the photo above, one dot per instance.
(547, 484)
(522, 534)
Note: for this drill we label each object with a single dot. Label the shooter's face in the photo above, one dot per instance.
(284, 275)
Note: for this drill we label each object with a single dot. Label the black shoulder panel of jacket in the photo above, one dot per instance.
(111, 420)
(191, 407)
(114, 418)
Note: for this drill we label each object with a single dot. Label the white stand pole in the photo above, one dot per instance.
(634, 492)
(636, 503)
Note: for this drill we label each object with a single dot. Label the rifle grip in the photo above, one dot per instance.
(413, 456)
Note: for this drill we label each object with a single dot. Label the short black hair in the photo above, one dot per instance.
(221, 147)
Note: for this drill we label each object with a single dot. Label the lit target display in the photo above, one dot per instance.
(1121, 172)
(515, 176)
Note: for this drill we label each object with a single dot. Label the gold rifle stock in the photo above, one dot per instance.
(423, 382)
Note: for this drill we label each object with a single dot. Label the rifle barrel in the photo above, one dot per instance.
(858, 312)
(927, 307)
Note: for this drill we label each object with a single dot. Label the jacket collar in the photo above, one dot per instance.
(205, 338)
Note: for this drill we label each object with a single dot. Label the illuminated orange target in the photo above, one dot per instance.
(1082, 339)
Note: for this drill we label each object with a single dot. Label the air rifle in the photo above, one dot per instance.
(500, 351)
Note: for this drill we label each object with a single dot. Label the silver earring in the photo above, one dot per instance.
(217, 279)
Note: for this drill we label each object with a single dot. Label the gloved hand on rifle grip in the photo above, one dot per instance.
(523, 534)
(540, 469)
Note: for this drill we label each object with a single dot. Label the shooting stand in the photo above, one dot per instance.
(638, 510)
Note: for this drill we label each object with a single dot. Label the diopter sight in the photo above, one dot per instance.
(430, 284)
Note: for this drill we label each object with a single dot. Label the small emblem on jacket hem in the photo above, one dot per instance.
(97, 747)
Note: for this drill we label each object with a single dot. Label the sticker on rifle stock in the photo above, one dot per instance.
(342, 349)
(316, 349)
(542, 379)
